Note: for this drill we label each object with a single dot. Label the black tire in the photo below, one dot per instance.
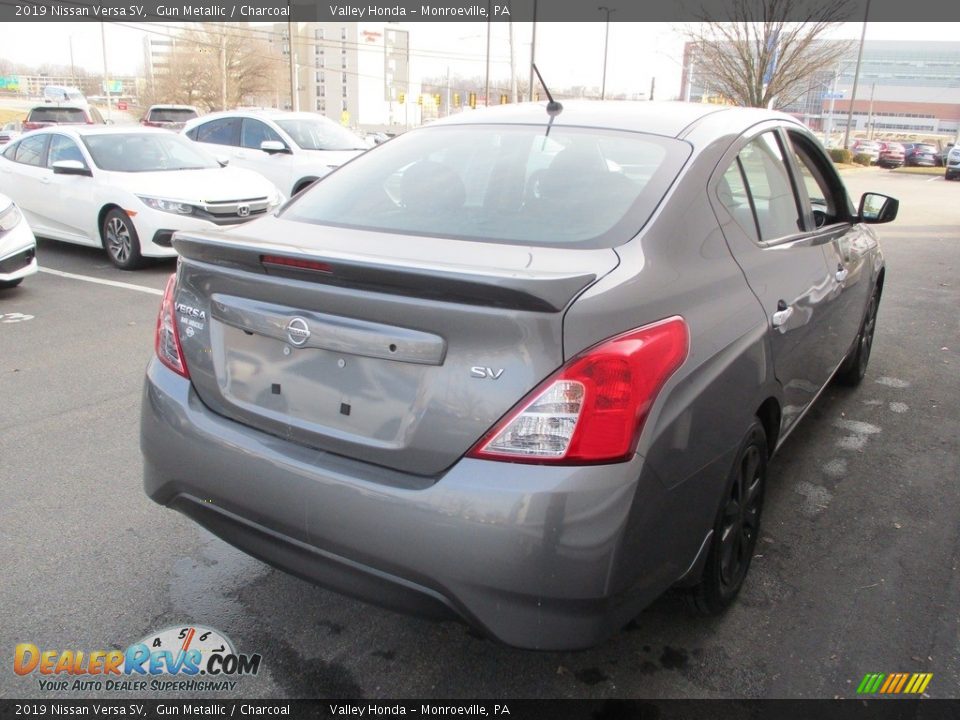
(737, 527)
(9, 284)
(854, 368)
(121, 241)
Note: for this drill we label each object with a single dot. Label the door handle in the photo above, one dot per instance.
(45, 180)
(782, 314)
(841, 274)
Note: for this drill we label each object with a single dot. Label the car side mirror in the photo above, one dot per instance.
(876, 208)
(222, 160)
(272, 147)
(70, 167)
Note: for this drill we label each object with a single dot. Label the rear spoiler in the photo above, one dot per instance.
(535, 291)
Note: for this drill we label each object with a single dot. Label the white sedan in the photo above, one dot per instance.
(126, 189)
(291, 149)
(18, 248)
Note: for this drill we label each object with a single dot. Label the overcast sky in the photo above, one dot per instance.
(567, 53)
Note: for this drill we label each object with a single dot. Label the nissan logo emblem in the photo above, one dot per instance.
(298, 332)
(243, 210)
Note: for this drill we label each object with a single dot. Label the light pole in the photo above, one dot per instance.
(294, 80)
(486, 88)
(106, 82)
(856, 78)
(606, 43)
(533, 47)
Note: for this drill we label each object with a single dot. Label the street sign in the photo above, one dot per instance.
(833, 96)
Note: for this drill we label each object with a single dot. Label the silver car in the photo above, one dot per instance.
(522, 368)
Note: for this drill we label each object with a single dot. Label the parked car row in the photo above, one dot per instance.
(891, 154)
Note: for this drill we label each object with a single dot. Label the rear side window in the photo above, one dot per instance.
(30, 150)
(57, 115)
(502, 184)
(225, 131)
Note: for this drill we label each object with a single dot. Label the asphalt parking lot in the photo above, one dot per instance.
(857, 571)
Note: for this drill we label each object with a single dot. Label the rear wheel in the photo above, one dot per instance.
(121, 241)
(855, 366)
(737, 527)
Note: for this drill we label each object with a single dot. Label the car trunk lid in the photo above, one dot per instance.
(397, 350)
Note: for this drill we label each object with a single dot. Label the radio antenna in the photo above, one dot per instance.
(553, 107)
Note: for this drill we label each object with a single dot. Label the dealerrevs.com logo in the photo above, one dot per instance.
(189, 658)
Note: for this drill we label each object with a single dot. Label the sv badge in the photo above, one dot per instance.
(485, 372)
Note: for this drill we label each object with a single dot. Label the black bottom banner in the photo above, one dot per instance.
(514, 709)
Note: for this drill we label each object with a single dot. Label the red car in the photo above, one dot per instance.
(171, 117)
(46, 115)
(891, 155)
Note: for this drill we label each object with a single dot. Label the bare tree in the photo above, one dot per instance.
(194, 69)
(767, 54)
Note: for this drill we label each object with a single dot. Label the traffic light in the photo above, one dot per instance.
(456, 99)
(504, 98)
(402, 98)
(436, 99)
(473, 100)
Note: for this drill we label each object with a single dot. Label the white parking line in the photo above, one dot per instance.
(935, 178)
(100, 281)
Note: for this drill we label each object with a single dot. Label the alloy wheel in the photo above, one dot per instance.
(741, 519)
(118, 240)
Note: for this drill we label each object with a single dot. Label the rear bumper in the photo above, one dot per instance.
(526, 553)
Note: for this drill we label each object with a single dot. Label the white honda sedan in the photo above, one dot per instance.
(126, 189)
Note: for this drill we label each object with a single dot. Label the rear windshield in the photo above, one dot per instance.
(925, 148)
(57, 115)
(504, 184)
(171, 115)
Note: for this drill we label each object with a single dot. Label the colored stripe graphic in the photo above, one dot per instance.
(894, 683)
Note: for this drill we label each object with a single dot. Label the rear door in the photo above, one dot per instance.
(782, 260)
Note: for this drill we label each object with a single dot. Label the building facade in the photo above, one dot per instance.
(906, 87)
(358, 74)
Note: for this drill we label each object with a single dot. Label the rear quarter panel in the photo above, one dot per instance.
(680, 265)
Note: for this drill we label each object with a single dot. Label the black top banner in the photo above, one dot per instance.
(468, 10)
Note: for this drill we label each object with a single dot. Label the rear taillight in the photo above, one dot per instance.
(593, 408)
(167, 341)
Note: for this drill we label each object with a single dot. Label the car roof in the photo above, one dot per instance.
(168, 106)
(84, 130)
(669, 118)
(262, 114)
(60, 106)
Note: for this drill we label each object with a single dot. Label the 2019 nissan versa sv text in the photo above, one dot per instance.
(520, 368)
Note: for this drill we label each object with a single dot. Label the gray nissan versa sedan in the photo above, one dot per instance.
(522, 367)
